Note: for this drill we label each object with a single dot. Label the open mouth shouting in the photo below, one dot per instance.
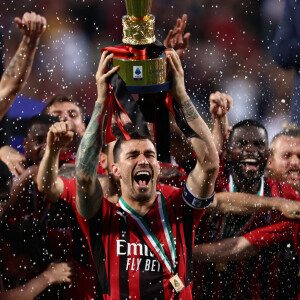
(293, 175)
(250, 165)
(142, 179)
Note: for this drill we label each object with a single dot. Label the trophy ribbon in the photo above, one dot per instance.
(153, 109)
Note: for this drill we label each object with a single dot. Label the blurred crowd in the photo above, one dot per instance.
(229, 51)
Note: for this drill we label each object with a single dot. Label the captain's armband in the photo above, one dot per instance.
(196, 202)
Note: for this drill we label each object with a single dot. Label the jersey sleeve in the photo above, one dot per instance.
(166, 189)
(187, 206)
(69, 192)
(289, 193)
(270, 235)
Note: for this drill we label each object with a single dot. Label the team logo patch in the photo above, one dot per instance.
(137, 72)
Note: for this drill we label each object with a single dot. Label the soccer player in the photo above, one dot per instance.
(24, 200)
(32, 26)
(284, 160)
(67, 109)
(246, 156)
(27, 202)
(252, 243)
(141, 258)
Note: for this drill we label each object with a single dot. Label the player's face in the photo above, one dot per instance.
(285, 161)
(68, 111)
(35, 142)
(248, 152)
(137, 169)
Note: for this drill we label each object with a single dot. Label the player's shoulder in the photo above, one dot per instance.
(281, 189)
(167, 190)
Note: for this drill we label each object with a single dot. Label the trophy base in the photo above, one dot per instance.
(148, 89)
(144, 75)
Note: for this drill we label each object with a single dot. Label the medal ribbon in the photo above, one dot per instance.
(233, 189)
(151, 236)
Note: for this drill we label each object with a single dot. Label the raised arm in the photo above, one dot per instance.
(246, 204)
(175, 38)
(59, 135)
(236, 248)
(220, 104)
(201, 180)
(15, 76)
(88, 189)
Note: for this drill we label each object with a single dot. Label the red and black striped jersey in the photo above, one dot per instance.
(265, 276)
(127, 268)
(69, 191)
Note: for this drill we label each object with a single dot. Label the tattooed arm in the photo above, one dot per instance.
(88, 189)
(201, 180)
(15, 76)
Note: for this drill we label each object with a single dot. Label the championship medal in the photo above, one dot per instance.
(177, 283)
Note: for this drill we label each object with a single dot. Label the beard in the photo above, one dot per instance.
(142, 195)
(142, 198)
(237, 168)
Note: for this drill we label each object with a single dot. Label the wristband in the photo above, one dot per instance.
(196, 202)
(181, 122)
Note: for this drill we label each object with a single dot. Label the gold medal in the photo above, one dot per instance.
(221, 266)
(176, 283)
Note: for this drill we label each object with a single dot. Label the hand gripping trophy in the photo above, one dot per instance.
(144, 72)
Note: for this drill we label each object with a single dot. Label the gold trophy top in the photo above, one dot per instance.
(138, 24)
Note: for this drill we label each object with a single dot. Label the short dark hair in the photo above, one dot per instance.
(117, 132)
(290, 132)
(122, 139)
(247, 123)
(41, 119)
(62, 98)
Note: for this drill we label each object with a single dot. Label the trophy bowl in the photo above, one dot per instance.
(144, 76)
